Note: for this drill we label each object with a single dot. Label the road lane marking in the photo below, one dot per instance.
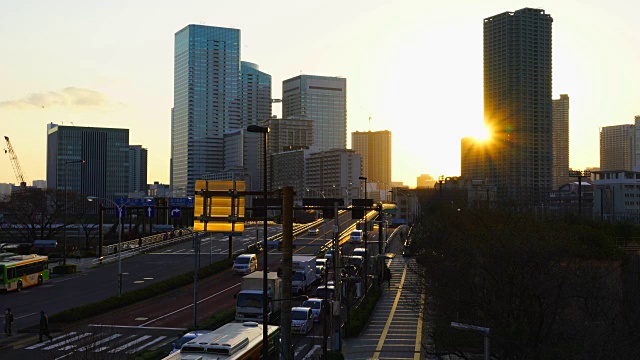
(92, 346)
(188, 306)
(54, 339)
(376, 354)
(78, 337)
(146, 345)
(129, 344)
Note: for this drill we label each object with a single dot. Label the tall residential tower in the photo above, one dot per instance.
(517, 103)
(560, 141)
(374, 148)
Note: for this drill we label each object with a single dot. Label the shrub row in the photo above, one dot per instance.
(88, 310)
(359, 316)
(65, 269)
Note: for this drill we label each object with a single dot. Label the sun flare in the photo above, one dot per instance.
(481, 133)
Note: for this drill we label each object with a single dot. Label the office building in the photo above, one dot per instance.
(137, 171)
(617, 195)
(207, 102)
(637, 142)
(323, 100)
(105, 151)
(40, 184)
(617, 147)
(334, 173)
(560, 141)
(256, 94)
(374, 148)
(517, 104)
(5, 188)
(241, 159)
(287, 170)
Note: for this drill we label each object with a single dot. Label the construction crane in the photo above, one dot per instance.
(15, 163)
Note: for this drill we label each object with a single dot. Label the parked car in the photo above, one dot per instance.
(315, 305)
(186, 338)
(301, 320)
(245, 264)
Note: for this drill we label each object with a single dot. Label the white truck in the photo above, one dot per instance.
(304, 273)
(249, 299)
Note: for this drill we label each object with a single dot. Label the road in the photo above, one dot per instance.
(172, 311)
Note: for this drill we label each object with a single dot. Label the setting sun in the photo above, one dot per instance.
(481, 133)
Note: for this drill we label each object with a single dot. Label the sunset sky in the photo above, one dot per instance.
(415, 67)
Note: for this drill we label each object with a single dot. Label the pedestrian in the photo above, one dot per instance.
(8, 322)
(387, 275)
(78, 254)
(44, 326)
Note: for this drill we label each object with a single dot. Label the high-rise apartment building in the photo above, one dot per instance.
(637, 143)
(560, 141)
(137, 170)
(207, 97)
(323, 100)
(374, 148)
(105, 151)
(617, 147)
(517, 103)
(476, 159)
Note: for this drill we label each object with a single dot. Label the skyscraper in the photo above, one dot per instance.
(517, 103)
(105, 151)
(374, 148)
(137, 170)
(323, 100)
(617, 147)
(206, 102)
(256, 94)
(560, 141)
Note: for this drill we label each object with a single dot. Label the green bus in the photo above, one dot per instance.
(20, 271)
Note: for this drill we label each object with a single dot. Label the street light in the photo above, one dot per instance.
(120, 209)
(580, 174)
(64, 230)
(366, 247)
(324, 221)
(265, 299)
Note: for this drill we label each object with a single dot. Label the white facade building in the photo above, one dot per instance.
(617, 195)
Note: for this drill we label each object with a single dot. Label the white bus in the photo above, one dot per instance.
(232, 341)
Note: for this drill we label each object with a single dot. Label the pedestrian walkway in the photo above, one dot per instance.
(394, 331)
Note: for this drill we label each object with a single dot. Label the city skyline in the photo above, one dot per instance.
(107, 76)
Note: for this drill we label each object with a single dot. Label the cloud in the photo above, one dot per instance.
(72, 97)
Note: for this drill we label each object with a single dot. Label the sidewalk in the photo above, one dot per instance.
(395, 329)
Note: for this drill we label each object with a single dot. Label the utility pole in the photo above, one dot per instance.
(287, 253)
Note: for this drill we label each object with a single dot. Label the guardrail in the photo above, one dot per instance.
(347, 232)
(134, 247)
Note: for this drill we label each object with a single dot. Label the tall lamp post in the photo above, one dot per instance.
(324, 221)
(265, 299)
(366, 247)
(120, 209)
(580, 174)
(64, 230)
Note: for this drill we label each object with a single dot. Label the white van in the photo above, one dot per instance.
(356, 236)
(245, 264)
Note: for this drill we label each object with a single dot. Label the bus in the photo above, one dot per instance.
(20, 271)
(232, 341)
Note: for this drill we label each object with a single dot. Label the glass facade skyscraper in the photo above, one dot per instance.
(323, 100)
(105, 151)
(256, 94)
(517, 104)
(207, 102)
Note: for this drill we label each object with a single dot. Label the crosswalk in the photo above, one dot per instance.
(105, 341)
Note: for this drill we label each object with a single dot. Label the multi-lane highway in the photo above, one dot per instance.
(154, 322)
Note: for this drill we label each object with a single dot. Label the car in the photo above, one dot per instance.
(357, 261)
(301, 320)
(329, 256)
(245, 264)
(186, 338)
(356, 236)
(320, 272)
(315, 305)
(313, 231)
(325, 291)
(359, 252)
(322, 262)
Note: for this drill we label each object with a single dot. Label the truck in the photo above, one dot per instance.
(303, 269)
(249, 299)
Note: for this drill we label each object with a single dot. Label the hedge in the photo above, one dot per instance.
(359, 316)
(65, 269)
(89, 310)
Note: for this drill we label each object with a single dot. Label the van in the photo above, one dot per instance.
(356, 236)
(245, 264)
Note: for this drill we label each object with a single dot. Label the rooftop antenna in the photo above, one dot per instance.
(369, 123)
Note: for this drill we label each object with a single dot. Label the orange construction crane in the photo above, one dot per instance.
(15, 163)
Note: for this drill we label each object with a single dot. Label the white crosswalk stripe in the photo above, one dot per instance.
(74, 342)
